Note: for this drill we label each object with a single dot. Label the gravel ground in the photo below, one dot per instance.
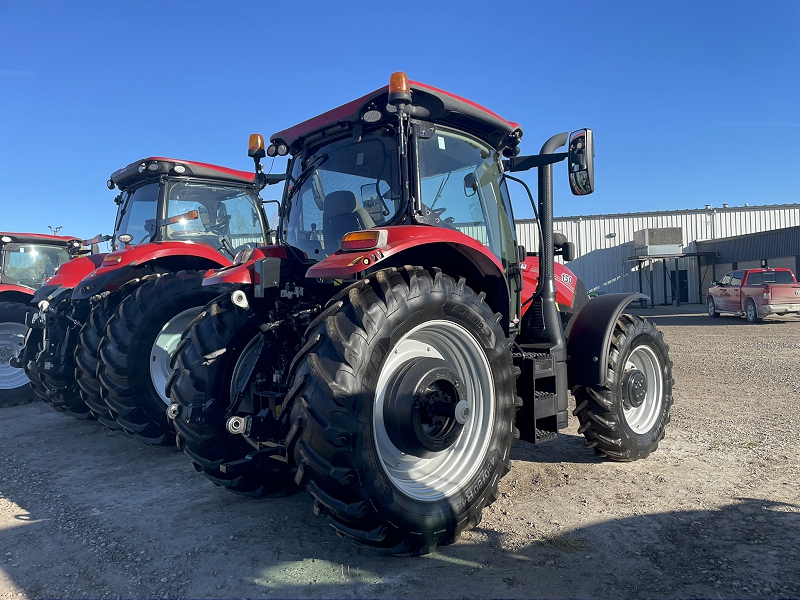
(715, 512)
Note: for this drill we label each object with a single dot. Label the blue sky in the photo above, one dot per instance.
(692, 103)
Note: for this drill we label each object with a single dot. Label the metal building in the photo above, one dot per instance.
(605, 245)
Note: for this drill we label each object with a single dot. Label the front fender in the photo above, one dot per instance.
(346, 265)
(590, 338)
(244, 272)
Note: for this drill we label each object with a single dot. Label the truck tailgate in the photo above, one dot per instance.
(785, 293)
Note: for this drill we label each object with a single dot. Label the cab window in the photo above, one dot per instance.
(736, 278)
(726, 280)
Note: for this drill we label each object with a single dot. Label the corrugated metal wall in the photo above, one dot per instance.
(603, 243)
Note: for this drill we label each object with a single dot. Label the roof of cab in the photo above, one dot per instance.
(37, 238)
(445, 108)
(167, 166)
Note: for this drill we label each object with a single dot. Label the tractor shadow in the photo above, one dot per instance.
(93, 512)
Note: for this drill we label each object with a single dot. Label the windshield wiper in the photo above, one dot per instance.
(305, 174)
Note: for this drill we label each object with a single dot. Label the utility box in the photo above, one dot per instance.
(655, 241)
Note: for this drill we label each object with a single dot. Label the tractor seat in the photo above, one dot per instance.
(342, 214)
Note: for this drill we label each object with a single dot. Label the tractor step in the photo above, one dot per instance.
(543, 362)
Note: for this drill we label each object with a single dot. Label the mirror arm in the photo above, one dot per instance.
(526, 163)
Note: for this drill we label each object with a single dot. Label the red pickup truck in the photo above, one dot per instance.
(755, 293)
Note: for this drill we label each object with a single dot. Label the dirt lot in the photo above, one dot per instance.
(86, 513)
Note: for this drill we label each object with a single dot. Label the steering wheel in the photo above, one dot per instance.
(221, 225)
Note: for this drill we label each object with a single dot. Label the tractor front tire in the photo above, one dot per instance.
(141, 337)
(625, 418)
(87, 352)
(205, 367)
(397, 475)
(15, 388)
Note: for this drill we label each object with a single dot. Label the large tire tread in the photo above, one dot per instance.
(87, 351)
(126, 386)
(598, 408)
(200, 378)
(325, 412)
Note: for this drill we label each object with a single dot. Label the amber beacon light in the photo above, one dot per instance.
(399, 89)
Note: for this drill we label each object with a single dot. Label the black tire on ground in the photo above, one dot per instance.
(126, 354)
(711, 307)
(622, 419)
(377, 331)
(203, 374)
(62, 391)
(15, 387)
(751, 312)
(87, 351)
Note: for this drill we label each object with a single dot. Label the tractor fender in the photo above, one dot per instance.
(244, 272)
(401, 239)
(10, 292)
(590, 338)
(121, 266)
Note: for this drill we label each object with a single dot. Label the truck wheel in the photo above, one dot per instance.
(625, 419)
(405, 403)
(87, 352)
(14, 383)
(212, 355)
(141, 337)
(751, 312)
(712, 308)
(62, 391)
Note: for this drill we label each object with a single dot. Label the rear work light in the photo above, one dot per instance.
(364, 240)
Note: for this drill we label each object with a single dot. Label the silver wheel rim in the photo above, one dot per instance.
(448, 472)
(642, 418)
(751, 311)
(164, 347)
(12, 338)
(249, 355)
(710, 307)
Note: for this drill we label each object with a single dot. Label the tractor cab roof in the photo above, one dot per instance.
(35, 238)
(443, 107)
(147, 168)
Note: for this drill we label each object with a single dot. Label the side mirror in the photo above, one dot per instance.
(559, 239)
(713, 283)
(568, 251)
(470, 185)
(521, 254)
(581, 162)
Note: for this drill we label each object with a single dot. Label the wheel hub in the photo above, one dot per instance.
(425, 409)
(6, 354)
(634, 388)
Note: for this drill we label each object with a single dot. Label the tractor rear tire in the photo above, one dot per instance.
(372, 340)
(141, 337)
(625, 419)
(87, 352)
(205, 365)
(62, 392)
(15, 386)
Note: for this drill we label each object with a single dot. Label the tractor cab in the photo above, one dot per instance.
(28, 259)
(165, 199)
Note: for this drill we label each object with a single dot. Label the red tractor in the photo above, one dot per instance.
(117, 326)
(389, 350)
(28, 263)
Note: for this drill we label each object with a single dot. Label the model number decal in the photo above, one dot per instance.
(566, 278)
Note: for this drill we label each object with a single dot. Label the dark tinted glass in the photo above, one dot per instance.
(755, 279)
(778, 277)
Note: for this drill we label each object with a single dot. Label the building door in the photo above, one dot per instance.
(683, 285)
